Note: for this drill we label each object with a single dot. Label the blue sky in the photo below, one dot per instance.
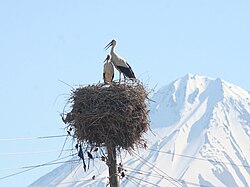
(43, 42)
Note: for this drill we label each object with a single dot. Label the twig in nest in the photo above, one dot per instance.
(109, 114)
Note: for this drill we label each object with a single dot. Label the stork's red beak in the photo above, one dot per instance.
(108, 46)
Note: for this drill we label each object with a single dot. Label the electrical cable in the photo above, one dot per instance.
(176, 180)
(147, 173)
(35, 152)
(168, 178)
(32, 138)
(71, 182)
(132, 181)
(201, 159)
(59, 136)
(40, 165)
(143, 180)
(28, 168)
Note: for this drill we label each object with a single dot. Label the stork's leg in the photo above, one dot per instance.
(124, 78)
(119, 77)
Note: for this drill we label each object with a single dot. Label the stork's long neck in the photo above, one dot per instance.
(112, 51)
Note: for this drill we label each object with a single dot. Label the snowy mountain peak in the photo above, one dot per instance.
(206, 117)
(190, 91)
(201, 132)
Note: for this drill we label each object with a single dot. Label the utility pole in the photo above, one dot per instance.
(112, 164)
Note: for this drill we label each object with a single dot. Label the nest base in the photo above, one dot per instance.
(113, 114)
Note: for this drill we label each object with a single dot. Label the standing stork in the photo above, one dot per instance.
(108, 70)
(121, 64)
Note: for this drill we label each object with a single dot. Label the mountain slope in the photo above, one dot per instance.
(200, 137)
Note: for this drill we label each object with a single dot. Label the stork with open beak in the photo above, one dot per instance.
(108, 70)
(121, 64)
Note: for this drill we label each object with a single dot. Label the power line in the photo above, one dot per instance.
(78, 181)
(32, 138)
(143, 180)
(168, 178)
(201, 159)
(48, 164)
(176, 180)
(35, 152)
(142, 172)
(39, 165)
(60, 136)
(132, 181)
(28, 168)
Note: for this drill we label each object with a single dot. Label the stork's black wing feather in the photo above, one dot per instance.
(103, 76)
(127, 71)
(131, 70)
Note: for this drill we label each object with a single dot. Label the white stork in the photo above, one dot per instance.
(121, 64)
(108, 70)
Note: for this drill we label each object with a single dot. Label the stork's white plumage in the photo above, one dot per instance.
(121, 64)
(108, 70)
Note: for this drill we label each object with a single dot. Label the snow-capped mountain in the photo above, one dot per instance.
(200, 137)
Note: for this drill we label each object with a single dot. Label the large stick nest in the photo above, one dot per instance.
(114, 114)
